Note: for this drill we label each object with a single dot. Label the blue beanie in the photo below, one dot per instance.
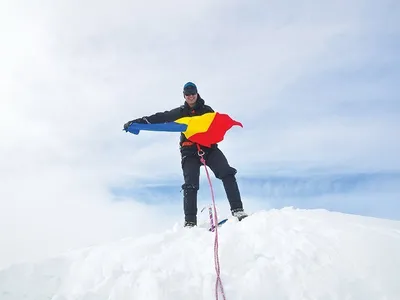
(190, 87)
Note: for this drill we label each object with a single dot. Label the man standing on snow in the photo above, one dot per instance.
(195, 106)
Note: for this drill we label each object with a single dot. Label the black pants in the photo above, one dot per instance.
(218, 163)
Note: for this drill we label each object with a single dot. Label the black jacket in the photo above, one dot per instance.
(183, 111)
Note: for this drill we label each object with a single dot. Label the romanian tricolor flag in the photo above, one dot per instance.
(205, 130)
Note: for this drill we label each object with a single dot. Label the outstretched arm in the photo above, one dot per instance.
(160, 117)
(164, 117)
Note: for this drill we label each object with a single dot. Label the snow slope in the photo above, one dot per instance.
(276, 254)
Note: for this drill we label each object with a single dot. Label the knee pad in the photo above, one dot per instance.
(227, 172)
(229, 177)
(189, 188)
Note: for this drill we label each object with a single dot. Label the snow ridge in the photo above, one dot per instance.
(276, 254)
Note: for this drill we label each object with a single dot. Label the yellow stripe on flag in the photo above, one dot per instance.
(196, 124)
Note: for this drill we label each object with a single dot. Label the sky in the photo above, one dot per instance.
(312, 84)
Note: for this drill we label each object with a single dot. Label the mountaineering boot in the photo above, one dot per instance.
(239, 213)
(189, 224)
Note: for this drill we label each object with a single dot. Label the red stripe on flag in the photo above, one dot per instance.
(216, 132)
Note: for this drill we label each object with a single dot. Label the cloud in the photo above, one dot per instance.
(313, 86)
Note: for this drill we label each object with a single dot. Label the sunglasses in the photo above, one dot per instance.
(190, 93)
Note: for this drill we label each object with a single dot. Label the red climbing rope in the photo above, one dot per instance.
(218, 283)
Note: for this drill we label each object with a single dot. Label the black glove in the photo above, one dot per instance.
(137, 121)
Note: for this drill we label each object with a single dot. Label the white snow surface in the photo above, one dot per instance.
(276, 254)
